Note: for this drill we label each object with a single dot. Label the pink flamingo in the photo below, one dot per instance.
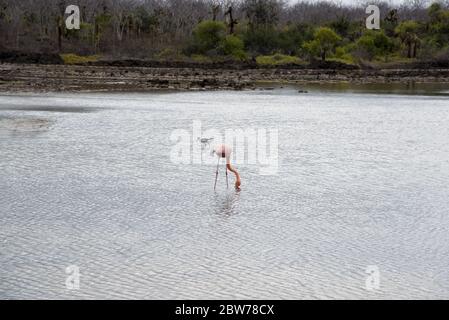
(224, 151)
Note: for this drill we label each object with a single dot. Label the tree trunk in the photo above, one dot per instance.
(60, 22)
(323, 55)
(232, 21)
(60, 32)
(409, 50)
(215, 10)
(415, 45)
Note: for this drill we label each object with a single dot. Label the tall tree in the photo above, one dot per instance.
(325, 40)
(408, 33)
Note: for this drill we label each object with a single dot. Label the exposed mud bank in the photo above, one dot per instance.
(23, 124)
(37, 77)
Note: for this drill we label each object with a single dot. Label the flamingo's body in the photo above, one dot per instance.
(224, 151)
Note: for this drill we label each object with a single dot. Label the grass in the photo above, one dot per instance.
(392, 62)
(170, 54)
(201, 58)
(71, 58)
(277, 59)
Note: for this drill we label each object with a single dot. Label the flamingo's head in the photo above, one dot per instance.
(237, 185)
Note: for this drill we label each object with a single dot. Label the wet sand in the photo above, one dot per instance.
(23, 124)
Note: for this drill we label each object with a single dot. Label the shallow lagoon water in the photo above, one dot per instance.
(86, 180)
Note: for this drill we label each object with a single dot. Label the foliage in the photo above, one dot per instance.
(262, 40)
(233, 46)
(407, 31)
(325, 40)
(208, 35)
(169, 54)
(344, 54)
(164, 29)
(438, 25)
(71, 58)
(201, 58)
(374, 43)
(277, 59)
(291, 38)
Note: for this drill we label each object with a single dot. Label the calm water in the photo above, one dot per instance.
(86, 180)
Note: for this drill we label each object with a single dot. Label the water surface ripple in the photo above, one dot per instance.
(86, 180)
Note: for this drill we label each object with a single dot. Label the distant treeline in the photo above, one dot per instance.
(269, 31)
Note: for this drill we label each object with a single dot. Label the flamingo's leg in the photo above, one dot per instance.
(216, 174)
(227, 184)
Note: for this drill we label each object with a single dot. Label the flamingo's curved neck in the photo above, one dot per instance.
(237, 176)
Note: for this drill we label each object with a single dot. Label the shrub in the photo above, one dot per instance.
(325, 40)
(407, 31)
(342, 55)
(169, 54)
(233, 46)
(372, 44)
(201, 58)
(208, 35)
(277, 59)
(71, 58)
(262, 40)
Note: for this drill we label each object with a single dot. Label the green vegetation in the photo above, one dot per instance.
(233, 46)
(374, 44)
(208, 35)
(71, 58)
(266, 31)
(278, 59)
(169, 54)
(325, 40)
(407, 31)
(343, 40)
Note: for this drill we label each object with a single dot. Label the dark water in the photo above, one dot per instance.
(87, 180)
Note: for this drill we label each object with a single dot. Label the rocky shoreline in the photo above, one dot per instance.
(43, 78)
